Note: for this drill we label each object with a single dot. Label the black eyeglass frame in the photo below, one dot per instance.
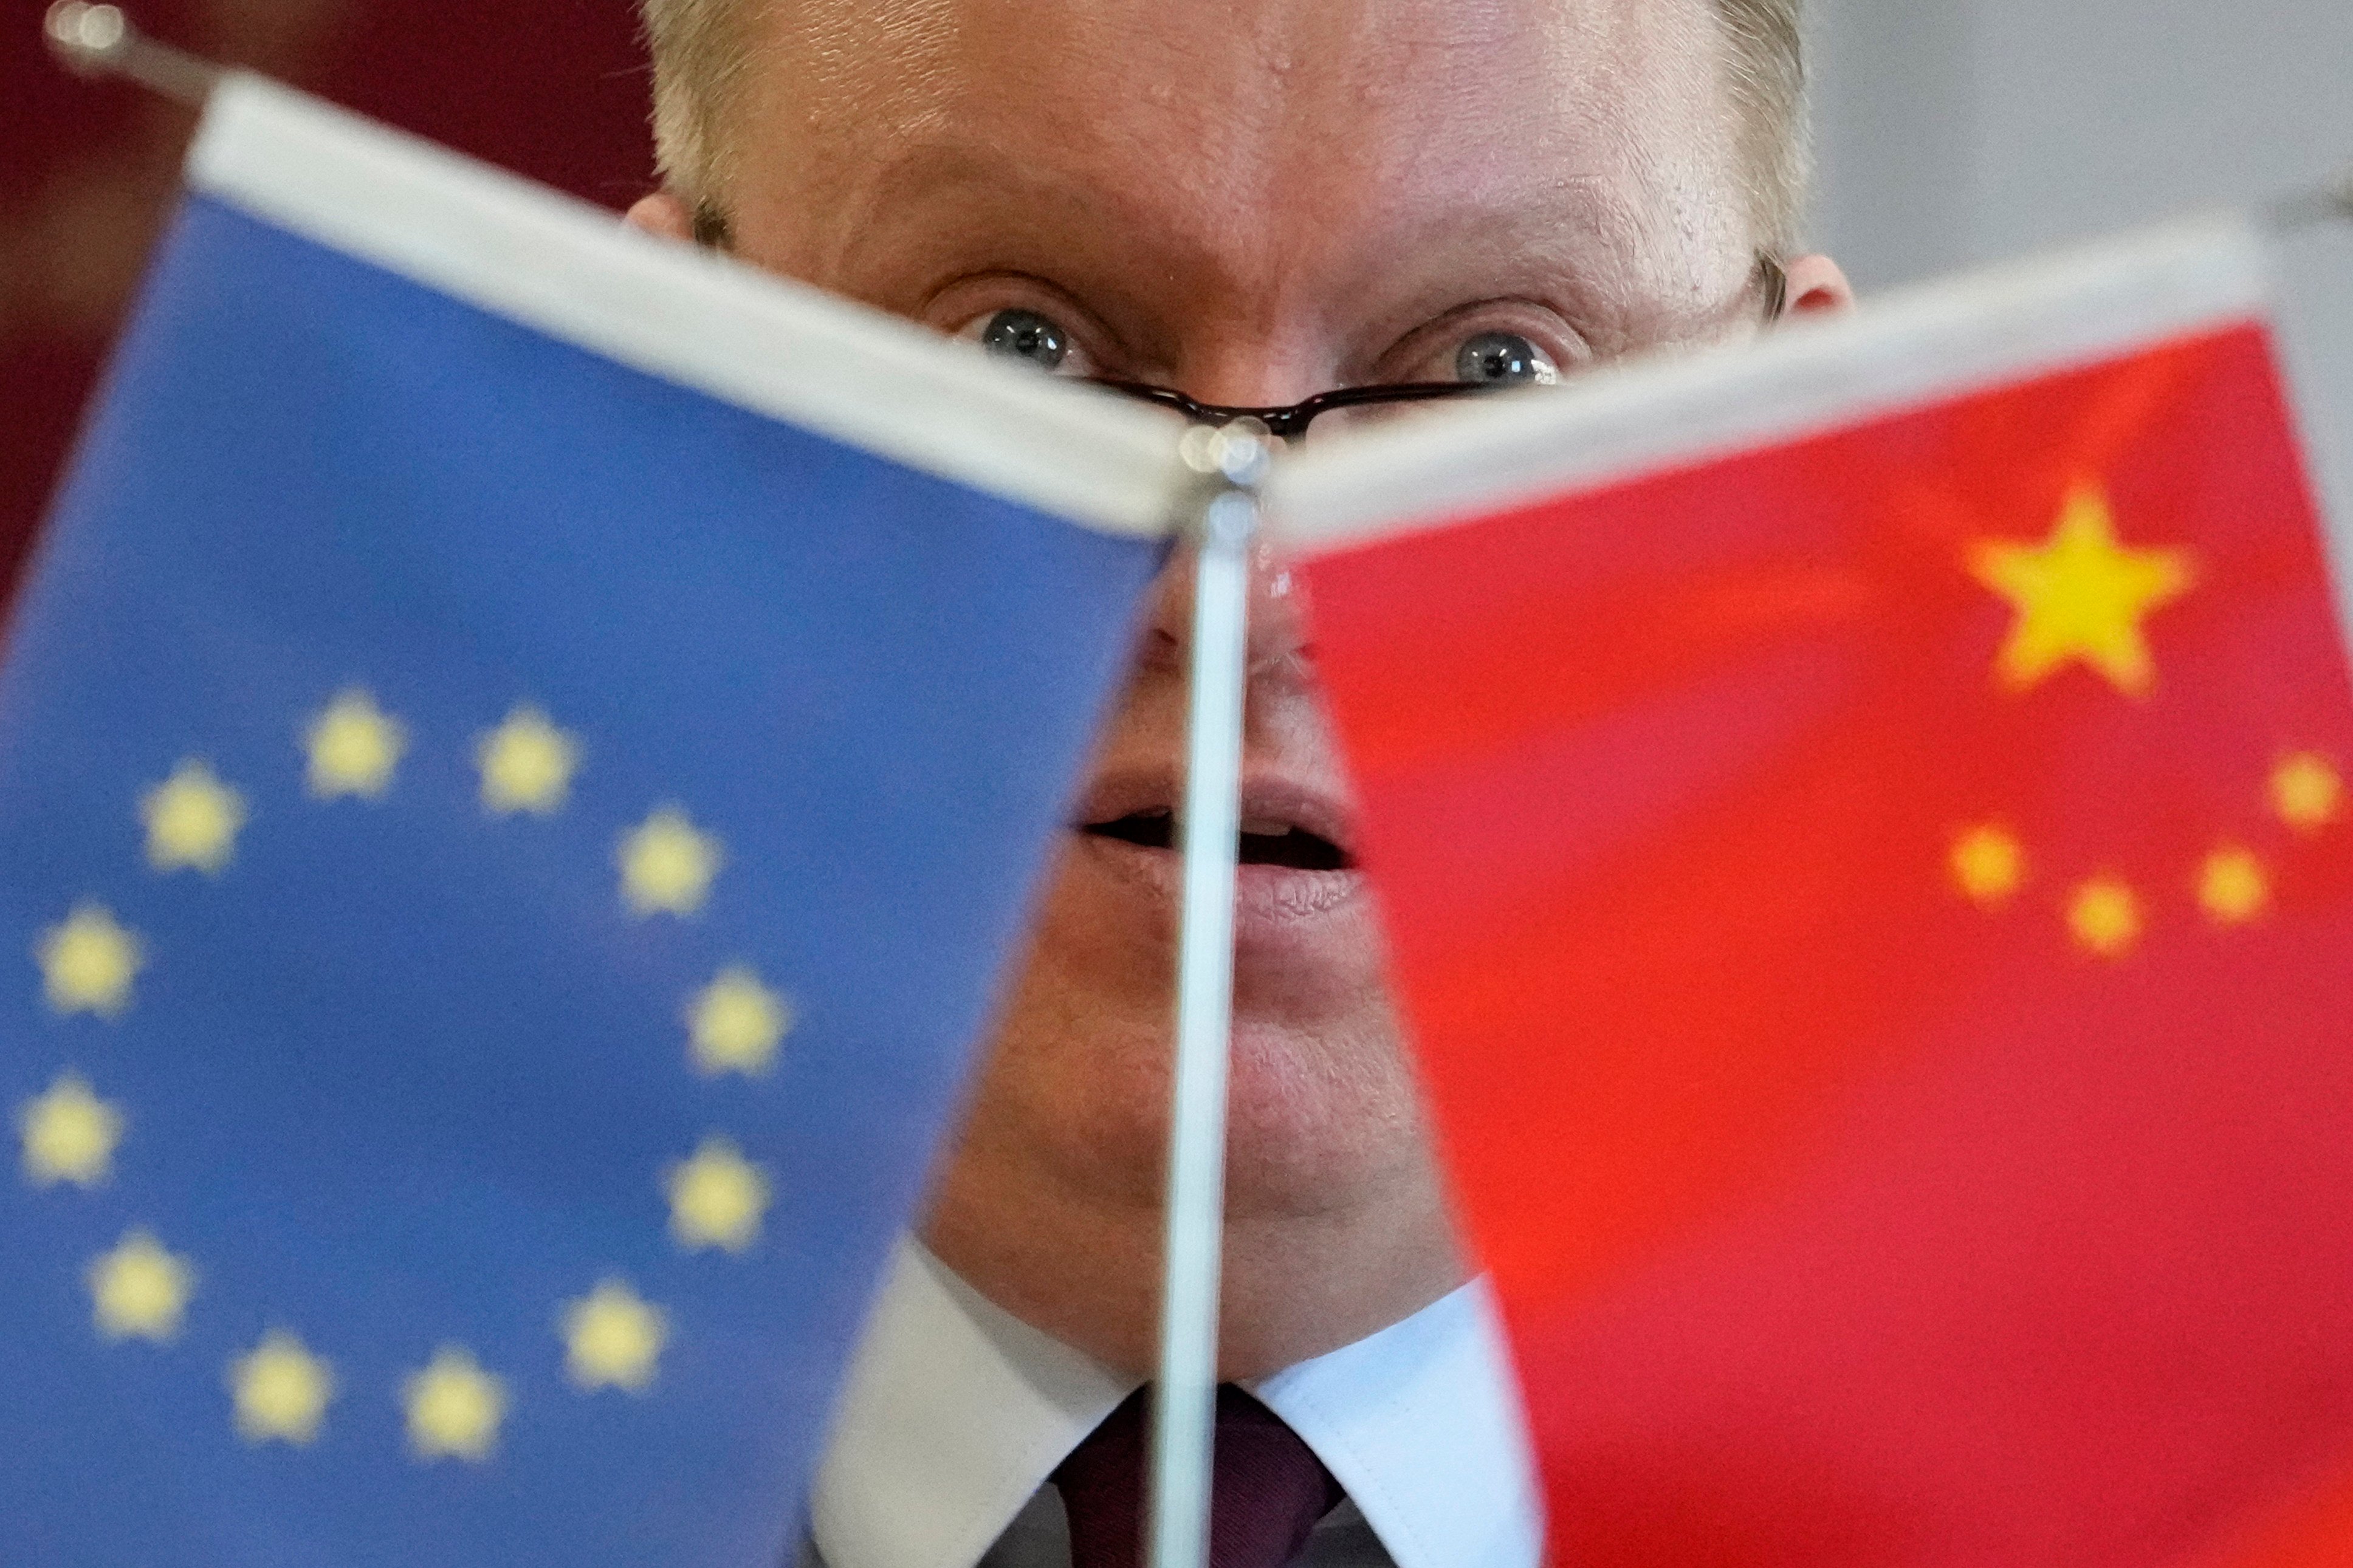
(1289, 421)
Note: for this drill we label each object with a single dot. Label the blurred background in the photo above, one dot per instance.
(556, 89)
(1952, 131)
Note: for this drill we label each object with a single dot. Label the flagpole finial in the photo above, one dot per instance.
(100, 40)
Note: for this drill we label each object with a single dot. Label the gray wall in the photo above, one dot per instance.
(1959, 132)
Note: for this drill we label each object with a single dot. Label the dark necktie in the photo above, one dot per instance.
(1267, 1488)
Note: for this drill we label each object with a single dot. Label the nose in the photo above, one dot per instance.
(1278, 621)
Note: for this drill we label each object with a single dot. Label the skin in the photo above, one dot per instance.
(1251, 200)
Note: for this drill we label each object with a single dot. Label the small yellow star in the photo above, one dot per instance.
(281, 1390)
(140, 1290)
(716, 1199)
(2231, 886)
(454, 1408)
(87, 963)
(2307, 791)
(527, 764)
(69, 1134)
(734, 1024)
(1988, 865)
(353, 747)
(192, 819)
(2081, 594)
(666, 865)
(2105, 917)
(612, 1339)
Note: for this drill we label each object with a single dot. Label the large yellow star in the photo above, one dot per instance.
(139, 1290)
(454, 1408)
(716, 1199)
(734, 1023)
(666, 865)
(353, 747)
(612, 1339)
(527, 764)
(192, 819)
(87, 963)
(69, 1134)
(281, 1390)
(2081, 594)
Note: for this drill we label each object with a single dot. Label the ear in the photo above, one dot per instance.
(1817, 287)
(664, 215)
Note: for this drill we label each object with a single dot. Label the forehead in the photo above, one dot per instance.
(1245, 140)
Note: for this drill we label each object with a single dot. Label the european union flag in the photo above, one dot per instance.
(522, 762)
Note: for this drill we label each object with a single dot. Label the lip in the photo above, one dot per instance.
(1265, 896)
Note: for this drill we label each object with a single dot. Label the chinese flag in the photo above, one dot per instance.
(1874, 893)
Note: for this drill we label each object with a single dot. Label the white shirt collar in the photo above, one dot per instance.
(954, 1412)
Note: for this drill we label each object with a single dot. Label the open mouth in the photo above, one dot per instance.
(1263, 843)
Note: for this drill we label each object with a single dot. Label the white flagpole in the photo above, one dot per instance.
(1185, 1401)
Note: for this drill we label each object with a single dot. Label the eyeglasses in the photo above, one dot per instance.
(1350, 405)
(1361, 404)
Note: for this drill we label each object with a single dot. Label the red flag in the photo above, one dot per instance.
(1863, 836)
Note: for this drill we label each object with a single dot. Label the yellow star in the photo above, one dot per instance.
(192, 819)
(2105, 917)
(454, 1408)
(1988, 865)
(140, 1290)
(353, 747)
(2307, 791)
(527, 764)
(666, 865)
(612, 1339)
(2232, 886)
(716, 1199)
(734, 1024)
(281, 1390)
(69, 1134)
(87, 963)
(2081, 594)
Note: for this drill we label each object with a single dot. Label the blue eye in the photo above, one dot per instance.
(1026, 335)
(1504, 358)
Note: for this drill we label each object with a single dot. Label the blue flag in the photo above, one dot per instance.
(522, 761)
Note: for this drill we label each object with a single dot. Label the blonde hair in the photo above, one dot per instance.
(1766, 72)
(701, 58)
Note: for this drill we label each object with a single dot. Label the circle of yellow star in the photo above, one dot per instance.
(69, 1134)
(139, 1290)
(1988, 865)
(2106, 916)
(527, 765)
(716, 1199)
(281, 1391)
(734, 1023)
(612, 1339)
(666, 865)
(2307, 791)
(2081, 594)
(454, 1407)
(353, 747)
(89, 962)
(192, 820)
(2231, 886)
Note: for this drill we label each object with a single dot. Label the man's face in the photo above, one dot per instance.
(1252, 200)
